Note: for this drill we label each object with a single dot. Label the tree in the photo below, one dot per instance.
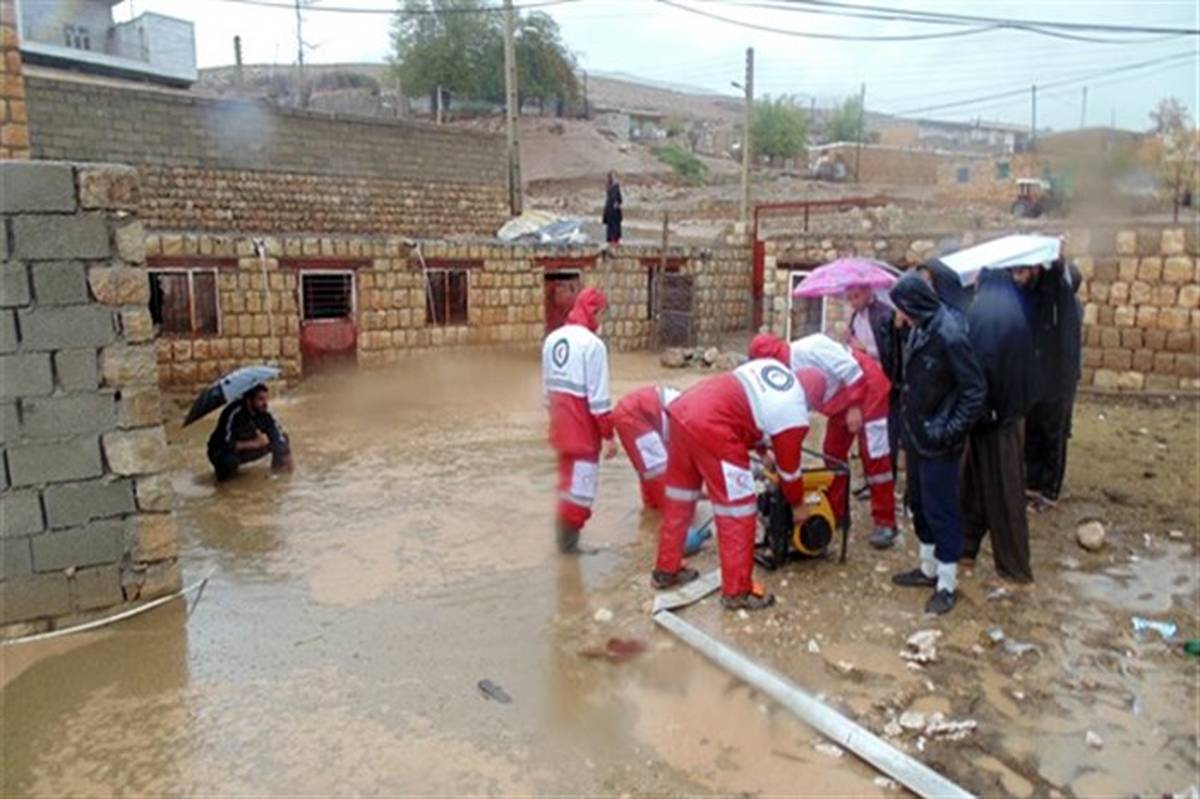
(545, 67)
(1169, 115)
(779, 128)
(847, 122)
(1175, 153)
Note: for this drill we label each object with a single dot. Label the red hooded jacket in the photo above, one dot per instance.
(575, 380)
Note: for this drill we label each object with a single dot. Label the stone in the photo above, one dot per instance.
(91, 545)
(1150, 269)
(120, 285)
(34, 597)
(893, 729)
(1179, 269)
(140, 406)
(1090, 535)
(157, 537)
(70, 504)
(8, 332)
(912, 720)
(161, 579)
(1174, 319)
(55, 417)
(1174, 241)
(1189, 297)
(136, 452)
(829, 749)
(109, 186)
(730, 360)
(36, 187)
(603, 616)
(98, 587)
(155, 493)
(65, 328)
(82, 236)
(60, 283)
(137, 325)
(20, 513)
(53, 462)
(674, 358)
(710, 355)
(122, 365)
(1125, 316)
(77, 370)
(1127, 242)
(130, 240)
(1131, 381)
(14, 285)
(16, 558)
(1093, 740)
(1105, 379)
(25, 375)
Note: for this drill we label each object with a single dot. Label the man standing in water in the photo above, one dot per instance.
(575, 388)
(245, 432)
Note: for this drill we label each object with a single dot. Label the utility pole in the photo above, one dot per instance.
(238, 76)
(587, 112)
(300, 55)
(746, 144)
(1033, 117)
(1083, 110)
(513, 110)
(862, 114)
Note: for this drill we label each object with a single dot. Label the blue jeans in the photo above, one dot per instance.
(933, 497)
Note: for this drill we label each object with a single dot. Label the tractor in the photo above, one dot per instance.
(1036, 197)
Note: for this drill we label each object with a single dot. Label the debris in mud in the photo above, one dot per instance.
(674, 358)
(922, 646)
(893, 729)
(1090, 535)
(829, 749)
(998, 593)
(1175, 535)
(1165, 629)
(845, 666)
(943, 729)
(615, 650)
(885, 784)
(494, 692)
(1094, 740)
(996, 636)
(1069, 563)
(1019, 648)
(703, 357)
(603, 616)
(912, 720)
(813, 647)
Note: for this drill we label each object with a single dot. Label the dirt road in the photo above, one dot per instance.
(358, 602)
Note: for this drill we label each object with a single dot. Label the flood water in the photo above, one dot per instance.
(356, 603)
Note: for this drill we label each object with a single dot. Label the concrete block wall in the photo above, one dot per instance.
(14, 128)
(85, 513)
(1140, 293)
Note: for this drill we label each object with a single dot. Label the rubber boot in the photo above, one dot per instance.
(568, 538)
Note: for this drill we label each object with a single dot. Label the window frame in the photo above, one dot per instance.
(1003, 170)
(962, 175)
(350, 273)
(77, 37)
(794, 277)
(446, 271)
(190, 272)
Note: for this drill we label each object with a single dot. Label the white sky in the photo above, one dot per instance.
(652, 40)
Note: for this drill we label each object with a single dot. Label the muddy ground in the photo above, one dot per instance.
(356, 603)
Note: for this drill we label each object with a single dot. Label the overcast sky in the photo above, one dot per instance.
(666, 44)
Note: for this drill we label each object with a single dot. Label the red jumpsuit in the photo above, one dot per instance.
(575, 387)
(714, 425)
(640, 421)
(835, 379)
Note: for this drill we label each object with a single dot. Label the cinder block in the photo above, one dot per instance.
(57, 237)
(60, 283)
(25, 375)
(14, 284)
(77, 370)
(9, 423)
(65, 328)
(20, 513)
(69, 504)
(36, 186)
(55, 417)
(98, 587)
(91, 545)
(8, 332)
(54, 462)
(16, 558)
(34, 597)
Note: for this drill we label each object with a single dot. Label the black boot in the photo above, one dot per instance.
(663, 580)
(941, 602)
(748, 601)
(914, 579)
(568, 538)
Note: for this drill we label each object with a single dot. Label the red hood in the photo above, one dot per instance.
(766, 345)
(588, 303)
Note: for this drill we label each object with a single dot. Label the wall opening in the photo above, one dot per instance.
(183, 302)
(805, 316)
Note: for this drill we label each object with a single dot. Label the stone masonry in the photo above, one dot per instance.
(14, 130)
(85, 513)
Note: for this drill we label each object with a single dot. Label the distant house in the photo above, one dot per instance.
(81, 35)
(629, 124)
(937, 134)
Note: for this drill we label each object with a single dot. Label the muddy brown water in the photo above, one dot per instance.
(357, 602)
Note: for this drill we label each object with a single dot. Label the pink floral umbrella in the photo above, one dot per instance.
(845, 273)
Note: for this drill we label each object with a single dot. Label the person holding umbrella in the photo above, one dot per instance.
(245, 432)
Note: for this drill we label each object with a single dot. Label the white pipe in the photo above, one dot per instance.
(913, 774)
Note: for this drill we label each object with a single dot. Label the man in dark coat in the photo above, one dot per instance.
(1058, 341)
(246, 432)
(612, 215)
(993, 483)
(941, 398)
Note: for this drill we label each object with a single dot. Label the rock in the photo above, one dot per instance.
(912, 720)
(673, 358)
(743, 615)
(1090, 535)
(922, 646)
(603, 615)
(1068, 563)
(1175, 535)
(710, 355)
(885, 784)
(950, 730)
(995, 635)
(730, 360)
(814, 647)
(1094, 740)
(845, 666)
(893, 729)
(829, 749)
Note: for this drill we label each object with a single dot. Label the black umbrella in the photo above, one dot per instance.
(229, 388)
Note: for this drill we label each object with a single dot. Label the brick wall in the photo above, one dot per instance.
(86, 512)
(14, 132)
(1141, 294)
(259, 298)
(242, 166)
(885, 164)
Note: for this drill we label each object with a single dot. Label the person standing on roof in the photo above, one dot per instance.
(714, 425)
(851, 390)
(612, 216)
(640, 421)
(575, 388)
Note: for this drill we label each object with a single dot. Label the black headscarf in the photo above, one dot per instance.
(948, 286)
(1003, 343)
(916, 298)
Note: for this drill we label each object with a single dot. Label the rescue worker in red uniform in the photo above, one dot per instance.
(849, 388)
(713, 427)
(575, 387)
(640, 421)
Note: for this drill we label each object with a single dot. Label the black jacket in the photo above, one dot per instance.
(612, 205)
(239, 423)
(1058, 331)
(1003, 344)
(882, 319)
(948, 286)
(944, 388)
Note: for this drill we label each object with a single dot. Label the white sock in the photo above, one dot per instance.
(947, 576)
(928, 564)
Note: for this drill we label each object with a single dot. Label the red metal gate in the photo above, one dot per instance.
(327, 328)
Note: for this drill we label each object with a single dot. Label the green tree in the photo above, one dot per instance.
(779, 128)
(847, 122)
(545, 67)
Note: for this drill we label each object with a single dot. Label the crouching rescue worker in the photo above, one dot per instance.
(575, 387)
(714, 425)
(942, 396)
(245, 432)
(640, 421)
(850, 389)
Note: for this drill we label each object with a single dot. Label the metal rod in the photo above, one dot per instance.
(911, 773)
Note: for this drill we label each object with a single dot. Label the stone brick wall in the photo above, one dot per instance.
(259, 302)
(240, 166)
(86, 514)
(14, 131)
(1141, 294)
